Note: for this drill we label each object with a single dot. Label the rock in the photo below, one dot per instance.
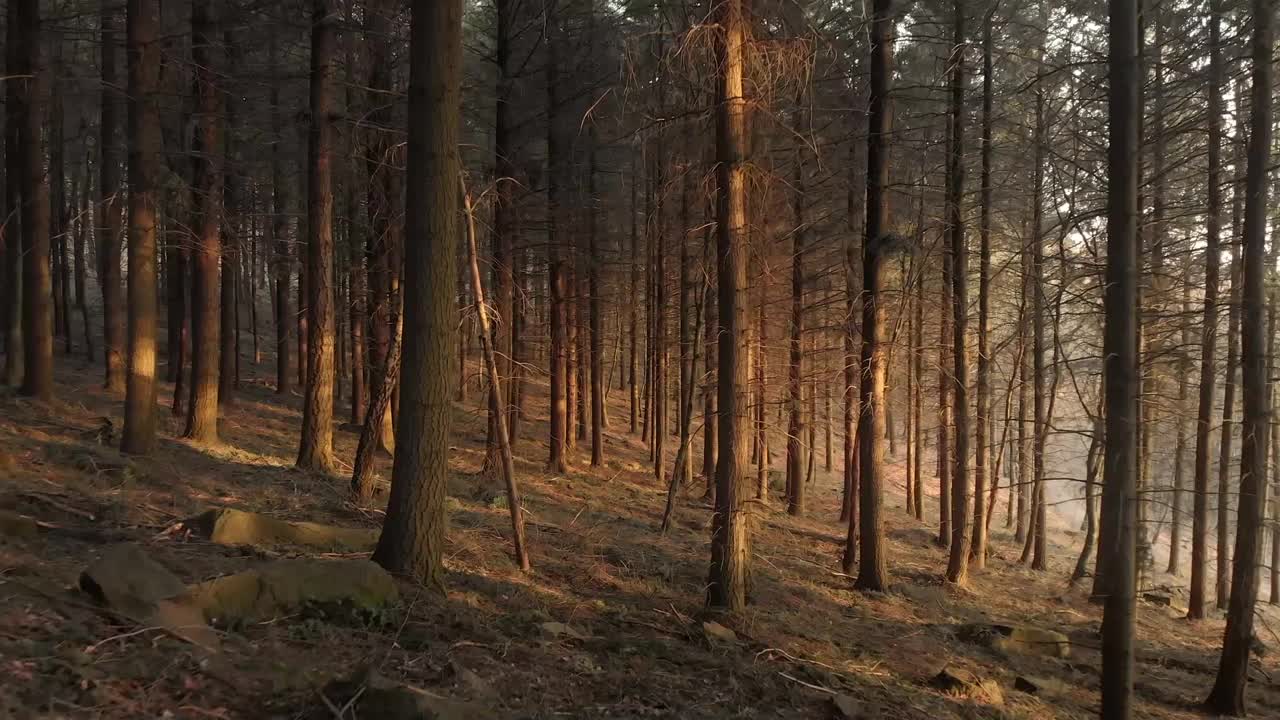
(718, 634)
(1013, 639)
(558, 629)
(228, 526)
(286, 586)
(964, 684)
(1027, 685)
(13, 525)
(1257, 647)
(1157, 598)
(129, 581)
(845, 707)
(373, 696)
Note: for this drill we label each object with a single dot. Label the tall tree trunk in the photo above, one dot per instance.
(634, 275)
(873, 573)
(144, 175)
(282, 260)
(958, 563)
(109, 238)
(1176, 511)
(710, 432)
(559, 401)
(1209, 328)
(1223, 566)
(232, 219)
(795, 370)
(382, 201)
(503, 279)
(1227, 696)
(315, 449)
(202, 411)
(982, 415)
(413, 534)
(727, 580)
(14, 205)
(37, 284)
(1120, 368)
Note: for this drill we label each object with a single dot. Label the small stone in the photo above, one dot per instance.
(557, 629)
(717, 633)
(962, 683)
(1026, 685)
(129, 581)
(845, 707)
(1160, 599)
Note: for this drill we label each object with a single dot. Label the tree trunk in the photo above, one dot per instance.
(37, 284)
(503, 279)
(958, 563)
(1227, 696)
(1209, 328)
(559, 401)
(1120, 379)
(1176, 521)
(109, 238)
(795, 426)
(14, 189)
(1223, 566)
(281, 257)
(873, 574)
(144, 175)
(413, 534)
(202, 411)
(983, 410)
(727, 580)
(315, 449)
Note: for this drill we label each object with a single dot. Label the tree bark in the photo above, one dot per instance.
(873, 574)
(413, 534)
(727, 580)
(1120, 368)
(109, 238)
(315, 450)
(958, 563)
(37, 284)
(1227, 696)
(202, 411)
(982, 415)
(144, 176)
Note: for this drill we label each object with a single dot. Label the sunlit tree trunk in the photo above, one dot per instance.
(202, 411)
(144, 176)
(727, 580)
(315, 449)
(413, 535)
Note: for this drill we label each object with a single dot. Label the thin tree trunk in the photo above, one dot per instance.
(982, 415)
(15, 207)
(559, 428)
(281, 257)
(109, 248)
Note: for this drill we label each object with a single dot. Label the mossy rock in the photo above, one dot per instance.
(129, 581)
(287, 586)
(1017, 639)
(228, 526)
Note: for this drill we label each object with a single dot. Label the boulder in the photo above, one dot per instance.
(1015, 639)
(286, 586)
(964, 684)
(372, 696)
(228, 526)
(129, 582)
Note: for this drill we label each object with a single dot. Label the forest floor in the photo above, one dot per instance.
(631, 597)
